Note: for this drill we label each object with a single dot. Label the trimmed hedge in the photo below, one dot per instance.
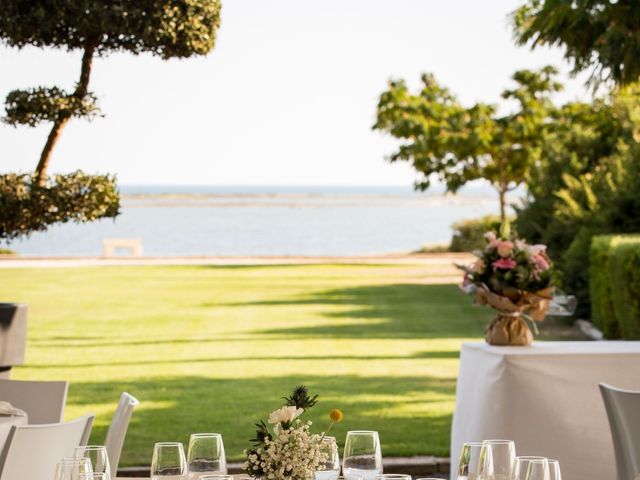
(614, 284)
(468, 235)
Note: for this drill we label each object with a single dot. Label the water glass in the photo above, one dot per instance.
(206, 455)
(331, 465)
(350, 477)
(393, 476)
(531, 468)
(168, 462)
(95, 476)
(362, 455)
(98, 456)
(469, 460)
(217, 477)
(554, 469)
(497, 458)
(72, 468)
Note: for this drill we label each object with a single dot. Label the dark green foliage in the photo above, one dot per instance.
(167, 28)
(468, 235)
(598, 35)
(32, 106)
(300, 398)
(615, 285)
(26, 207)
(262, 434)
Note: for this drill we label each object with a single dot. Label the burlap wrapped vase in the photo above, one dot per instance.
(510, 327)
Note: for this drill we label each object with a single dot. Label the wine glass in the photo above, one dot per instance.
(531, 468)
(350, 477)
(217, 477)
(554, 469)
(72, 468)
(469, 459)
(393, 476)
(496, 460)
(98, 456)
(168, 462)
(331, 465)
(95, 476)
(362, 455)
(206, 455)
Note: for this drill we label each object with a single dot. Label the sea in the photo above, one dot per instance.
(269, 221)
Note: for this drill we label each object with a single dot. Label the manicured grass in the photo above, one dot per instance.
(214, 348)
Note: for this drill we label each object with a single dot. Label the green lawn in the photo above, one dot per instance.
(214, 348)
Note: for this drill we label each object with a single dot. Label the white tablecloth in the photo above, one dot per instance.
(546, 398)
(6, 422)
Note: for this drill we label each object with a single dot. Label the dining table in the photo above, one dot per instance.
(8, 421)
(544, 397)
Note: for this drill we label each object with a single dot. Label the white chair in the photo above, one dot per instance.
(118, 430)
(43, 401)
(32, 451)
(623, 410)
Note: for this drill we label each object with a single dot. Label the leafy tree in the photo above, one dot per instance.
(165, 28)
(598, 35)
(442, 137)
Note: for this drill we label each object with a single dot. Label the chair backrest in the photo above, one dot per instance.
(118, 430)
(43, 401)
(32, 451)
(623, 410)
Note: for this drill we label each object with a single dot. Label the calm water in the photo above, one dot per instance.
(270, 221)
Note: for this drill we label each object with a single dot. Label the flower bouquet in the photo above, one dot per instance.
(290, 451)
(515, 279)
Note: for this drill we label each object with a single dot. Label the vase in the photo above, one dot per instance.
(509, 329)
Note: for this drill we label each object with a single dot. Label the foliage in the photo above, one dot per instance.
(468, 235)
(457, 144)
(166, 28)
(601, 35)
(7, 251)
(26, 207)
(36, 105)
(615, 285)
(300, 398)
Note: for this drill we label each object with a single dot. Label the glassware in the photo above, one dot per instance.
(216, 477)
(331, 466)
(362, 455)
(350, 477)
(95, 476)
(168, 462)
(72, 468)
(98, 456)
(469, 461)
(393, 476)
(531, 468)
(554, 469)
(497, 458)
(206, 455)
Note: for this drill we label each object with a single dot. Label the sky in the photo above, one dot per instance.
(287, 97)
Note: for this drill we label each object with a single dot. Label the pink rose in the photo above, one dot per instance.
(505, 247)
(541, 261)
(489, 236)
(504, 264)
(536, 249)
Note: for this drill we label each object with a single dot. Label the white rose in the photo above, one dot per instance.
(285, 414)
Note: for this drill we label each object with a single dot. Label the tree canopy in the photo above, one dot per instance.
(458, 144)
(598, 35)
(165, 28)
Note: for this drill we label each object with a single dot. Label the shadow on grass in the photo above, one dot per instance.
(406, 410)
(386, 311)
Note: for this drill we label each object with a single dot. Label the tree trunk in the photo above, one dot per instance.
(503, 201)
(80, 91)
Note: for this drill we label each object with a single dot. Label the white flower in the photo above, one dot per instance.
(285, 414)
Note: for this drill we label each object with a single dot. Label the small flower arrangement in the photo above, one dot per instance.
(516, 279)
(290, 451)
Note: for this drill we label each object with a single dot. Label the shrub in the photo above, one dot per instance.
(468, 235)
(27, 207)
(615, 285)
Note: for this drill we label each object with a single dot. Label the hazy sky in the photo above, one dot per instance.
(288, 95)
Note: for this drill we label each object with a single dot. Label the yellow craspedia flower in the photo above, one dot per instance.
(336, 415)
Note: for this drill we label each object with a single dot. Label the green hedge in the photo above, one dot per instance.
(468, 235)
(614, 284)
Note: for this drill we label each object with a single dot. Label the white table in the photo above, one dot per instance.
(545, 398)
(6, 422)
